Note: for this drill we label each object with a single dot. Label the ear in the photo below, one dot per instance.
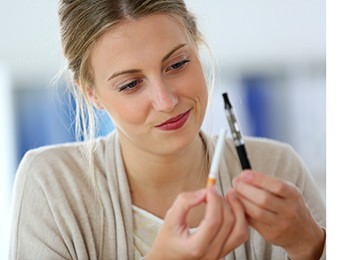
(91, 95)
(93, 98)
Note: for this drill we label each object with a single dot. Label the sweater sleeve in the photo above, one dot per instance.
(315, 204)
(34, 233)
(281, 161)
(305, 182)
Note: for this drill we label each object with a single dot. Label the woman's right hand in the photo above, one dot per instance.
(222, 229)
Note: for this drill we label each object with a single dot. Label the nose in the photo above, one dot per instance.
(164, 98)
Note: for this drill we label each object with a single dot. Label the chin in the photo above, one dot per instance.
(174, 144)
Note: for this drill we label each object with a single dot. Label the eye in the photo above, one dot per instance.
(177, 66)
(131, 86)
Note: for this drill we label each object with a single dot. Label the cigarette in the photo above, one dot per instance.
(214, 168)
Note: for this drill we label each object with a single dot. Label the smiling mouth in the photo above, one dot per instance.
(175, 122)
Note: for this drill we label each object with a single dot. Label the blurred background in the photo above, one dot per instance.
(269, 57)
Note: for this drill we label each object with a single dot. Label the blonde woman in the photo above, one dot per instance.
(140, 192)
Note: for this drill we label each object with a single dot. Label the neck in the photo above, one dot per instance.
(155, 177)
(157, 171)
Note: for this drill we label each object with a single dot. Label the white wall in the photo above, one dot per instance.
(7, 157)
(29, 38)
(256, 31)
(240, 32)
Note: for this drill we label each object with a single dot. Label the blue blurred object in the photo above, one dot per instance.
(256, 91)
(45, 117)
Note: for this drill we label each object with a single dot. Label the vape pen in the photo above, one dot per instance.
(236, 134)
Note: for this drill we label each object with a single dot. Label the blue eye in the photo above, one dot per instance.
(178, 65)
(130, 86)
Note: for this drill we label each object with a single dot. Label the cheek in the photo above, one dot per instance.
(197, 86)
(126, 113)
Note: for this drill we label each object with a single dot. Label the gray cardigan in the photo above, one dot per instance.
(56, 214)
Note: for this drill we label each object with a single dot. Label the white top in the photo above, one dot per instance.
(146, 227)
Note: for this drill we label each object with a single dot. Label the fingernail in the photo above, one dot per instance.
(247, 175)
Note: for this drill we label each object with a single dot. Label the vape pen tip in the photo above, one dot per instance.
(226, 100)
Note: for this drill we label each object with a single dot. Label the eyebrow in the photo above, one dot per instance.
(138, 70)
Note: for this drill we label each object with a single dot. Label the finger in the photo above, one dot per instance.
(239, 232)
(215, 249)
(272, 184)
(259, 197)
(261, 227)
(256, 212)
(210, 225)
(184, 202)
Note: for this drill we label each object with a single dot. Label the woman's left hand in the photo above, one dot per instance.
(277, 210)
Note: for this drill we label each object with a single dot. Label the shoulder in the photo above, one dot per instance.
(99, 143)
(52, 155)
(270, 157)
(276, 158)
(62, 162)
(52, 191)
(262, 148)
(57, 176)
(268, 148)
(68, 152)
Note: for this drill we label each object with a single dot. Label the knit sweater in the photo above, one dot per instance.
(57, 215)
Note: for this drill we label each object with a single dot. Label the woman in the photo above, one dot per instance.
(140, 192)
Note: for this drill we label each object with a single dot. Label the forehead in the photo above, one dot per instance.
(131, 41)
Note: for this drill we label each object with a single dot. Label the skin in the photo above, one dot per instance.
(277, 210)
(159, 89)
(147, 71)
(217, 235)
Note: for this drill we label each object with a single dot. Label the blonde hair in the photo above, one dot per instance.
(82, 23)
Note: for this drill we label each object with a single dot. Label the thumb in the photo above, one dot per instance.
(183, 203)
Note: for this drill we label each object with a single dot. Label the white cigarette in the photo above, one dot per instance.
(214, 168)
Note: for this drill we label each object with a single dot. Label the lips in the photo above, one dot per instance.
(175, 122)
